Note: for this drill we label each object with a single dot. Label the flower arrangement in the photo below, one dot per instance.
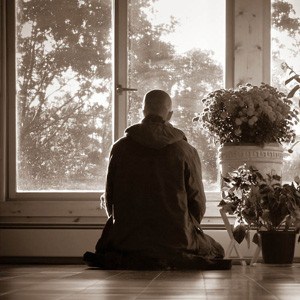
(249, 114)
(260, 203)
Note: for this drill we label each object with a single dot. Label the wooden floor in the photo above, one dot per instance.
(77, 282)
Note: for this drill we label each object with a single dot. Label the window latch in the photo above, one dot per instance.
(120, 89)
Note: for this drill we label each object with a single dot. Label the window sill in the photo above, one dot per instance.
(84, 214)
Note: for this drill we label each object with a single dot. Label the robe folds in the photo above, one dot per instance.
(155, 196)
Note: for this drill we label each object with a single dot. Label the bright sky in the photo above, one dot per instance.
(194, 16)
(296, 5)
(207, 14)
(287, 41)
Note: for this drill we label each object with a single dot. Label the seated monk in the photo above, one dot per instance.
(155, 199)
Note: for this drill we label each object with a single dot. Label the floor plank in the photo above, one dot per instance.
(78, 282)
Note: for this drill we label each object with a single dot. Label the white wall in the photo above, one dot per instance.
(75, 242)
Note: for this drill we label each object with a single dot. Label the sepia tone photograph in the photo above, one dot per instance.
(149, 149)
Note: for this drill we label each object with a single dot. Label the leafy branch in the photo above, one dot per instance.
(294, 77)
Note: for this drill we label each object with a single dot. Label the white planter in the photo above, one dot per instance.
(267, 158)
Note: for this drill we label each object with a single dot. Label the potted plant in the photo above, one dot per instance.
(257, 119)
(267, 205)
(249, 114)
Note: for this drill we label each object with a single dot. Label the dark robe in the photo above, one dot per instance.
(155, 196)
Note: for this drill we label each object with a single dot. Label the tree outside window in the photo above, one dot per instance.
(285, 52)
(64, 87)
(63, 64)
(64, 82)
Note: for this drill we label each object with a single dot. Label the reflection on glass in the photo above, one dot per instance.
(63, 100)
(178, 47)
(286, 63)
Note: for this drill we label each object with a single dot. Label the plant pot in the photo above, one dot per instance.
(278, 247)
(265, 159)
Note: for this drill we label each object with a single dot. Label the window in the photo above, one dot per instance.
(63, 94)
(285, 63)
(64, 100)
(180, 50)
(66, 70)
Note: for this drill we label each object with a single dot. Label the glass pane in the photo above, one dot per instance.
(285, 64)
(63, 100)
(178, 47)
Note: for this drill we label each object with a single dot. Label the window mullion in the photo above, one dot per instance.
(119, 67)
(11, 94)
(3, 101)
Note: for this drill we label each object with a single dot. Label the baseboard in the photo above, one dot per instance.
(66, 244)
(41, 260)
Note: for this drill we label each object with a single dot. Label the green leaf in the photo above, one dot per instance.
(291, 79)
(293, 91)
(226, 179)
(239, 233)
(222, 203)
(229, 208)
(276, 177)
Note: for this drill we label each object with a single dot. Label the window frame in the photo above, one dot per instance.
(12, 194)
(72, 205)
(3, 107)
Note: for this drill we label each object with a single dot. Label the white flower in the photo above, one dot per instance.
(238, 121)
(223, 115)
(251, 122)
(250, 112)
(254, 119)
(245, 107)
(238, 132)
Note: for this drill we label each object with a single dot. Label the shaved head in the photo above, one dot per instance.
(159, 103)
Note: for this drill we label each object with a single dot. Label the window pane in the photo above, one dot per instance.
(178, 47)
(285, 64)
(63, 100)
